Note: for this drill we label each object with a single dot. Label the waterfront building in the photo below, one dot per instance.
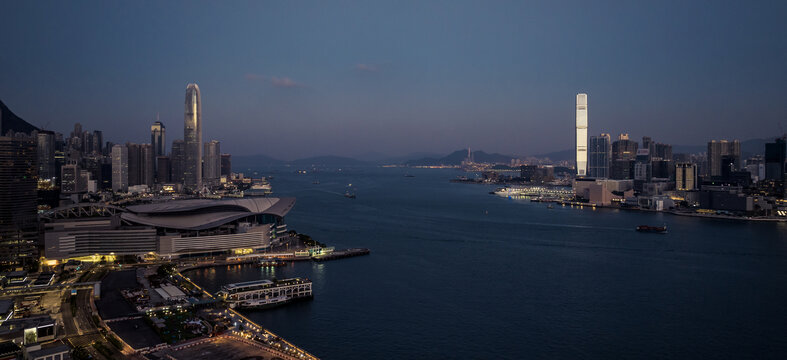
(775, 158)
(119, 168)
(18, 183)
(600, 156)
(686, 176)
(262, 293)
(603, 192)
(211, 172)
(226, 165)
(719, 148)
(192, 139)
(582, 134)
(158, 139)
(173, 229)
(45, 153)
(176, 161)
(733, 199)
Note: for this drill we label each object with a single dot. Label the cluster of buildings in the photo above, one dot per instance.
(647, 174)
(83, 164)
(79, 197)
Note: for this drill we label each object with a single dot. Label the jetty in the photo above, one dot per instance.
(340, 254)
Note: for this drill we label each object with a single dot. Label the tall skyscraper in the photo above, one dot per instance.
(719, 148)
(98, 141)
(158, 139)
(46, 154)
(176, 160)
(212, 163)
(163, 170)
(148, 165)
(135, 163)
(624, 152)
(643, 169)
(119, 168)
(192, 139)
(18, 182)
(775, 157)
(686, 176)
(582, 134)
(600, 156)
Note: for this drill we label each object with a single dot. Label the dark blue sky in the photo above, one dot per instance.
(292, 79)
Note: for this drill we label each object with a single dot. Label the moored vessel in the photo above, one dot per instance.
(652, 229)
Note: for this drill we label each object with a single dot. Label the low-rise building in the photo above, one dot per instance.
(603, 192)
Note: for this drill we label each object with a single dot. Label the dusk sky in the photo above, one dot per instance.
(291, 79)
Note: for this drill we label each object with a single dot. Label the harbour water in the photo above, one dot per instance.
(458, 273)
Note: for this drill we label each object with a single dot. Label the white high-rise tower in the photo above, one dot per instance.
(582, 134)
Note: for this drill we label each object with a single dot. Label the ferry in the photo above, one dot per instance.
(652, 229)
(265, 293)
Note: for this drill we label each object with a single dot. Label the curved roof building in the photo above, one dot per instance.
(171, 228)
(204, 214)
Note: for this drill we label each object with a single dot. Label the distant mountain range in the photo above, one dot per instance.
(9, 121)
(456, 158)
(251, 161)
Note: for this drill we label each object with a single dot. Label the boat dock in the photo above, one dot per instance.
(340, 254)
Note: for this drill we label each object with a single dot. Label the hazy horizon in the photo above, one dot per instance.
(298, 79)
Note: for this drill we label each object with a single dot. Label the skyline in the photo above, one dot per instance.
(487, 76)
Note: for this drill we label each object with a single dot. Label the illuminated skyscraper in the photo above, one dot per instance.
(582, 134)
(192, 139)
(158, 139)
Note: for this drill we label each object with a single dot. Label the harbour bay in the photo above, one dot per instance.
(458, 273)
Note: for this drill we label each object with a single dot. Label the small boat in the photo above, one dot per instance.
(652, 229)
(550, 206)
(349, 193)
(408, 175)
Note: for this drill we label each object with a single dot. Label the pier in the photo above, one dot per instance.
(340, 254)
